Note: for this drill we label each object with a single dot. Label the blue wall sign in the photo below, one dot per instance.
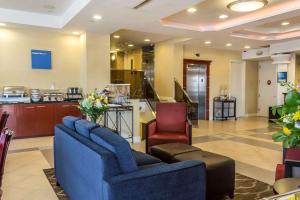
(41, 59)
(281, 77)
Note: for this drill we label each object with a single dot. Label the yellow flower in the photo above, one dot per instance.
(287, 131)
(296, 116)
(105, 100)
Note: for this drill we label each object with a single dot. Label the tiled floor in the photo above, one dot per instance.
(246, 140)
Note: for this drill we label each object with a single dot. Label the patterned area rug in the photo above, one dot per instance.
(245, 188)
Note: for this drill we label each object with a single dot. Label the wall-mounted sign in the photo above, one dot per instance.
(281, 77)
(41, 59)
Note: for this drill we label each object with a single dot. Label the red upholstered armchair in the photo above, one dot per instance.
(291, 159)
(3, 121)
(170, 126)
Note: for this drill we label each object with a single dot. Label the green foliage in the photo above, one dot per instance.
(290, 118)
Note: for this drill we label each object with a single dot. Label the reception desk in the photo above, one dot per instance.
(37, 119)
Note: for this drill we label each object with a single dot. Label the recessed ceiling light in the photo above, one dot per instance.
(247, 47)
(223, 16)
(192, 10)
(285, 23)
(207, 42)
(147, 40)
(97, 17)
(246, 5)
(130, 45)
(228, 45)
(2, 24)
(117, 36)
(76, 33)
(117, 49)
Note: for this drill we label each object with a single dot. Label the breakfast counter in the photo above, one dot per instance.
(37, 119)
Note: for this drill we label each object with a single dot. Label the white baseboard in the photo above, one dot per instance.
(250, 115)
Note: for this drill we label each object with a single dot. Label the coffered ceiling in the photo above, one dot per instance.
(161, 20)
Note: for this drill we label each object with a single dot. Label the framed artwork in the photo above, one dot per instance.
(281, 77)
(41, 59)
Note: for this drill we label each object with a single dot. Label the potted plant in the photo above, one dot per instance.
(94, 105)
(290, 118)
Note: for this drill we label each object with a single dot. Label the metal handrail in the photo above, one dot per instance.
(150, 94)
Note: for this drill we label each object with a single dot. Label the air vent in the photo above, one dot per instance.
(143, 3)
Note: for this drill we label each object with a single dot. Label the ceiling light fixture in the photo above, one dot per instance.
(247, 47)
(192, 10)
(207, 42)
(223, 16)
(76, 33)
(2, 24)
(130, 45)
(246, 5)
(116, 36)
(228, 45)
(97, 17)
(147, 40)
(117, 49)
(285, 23)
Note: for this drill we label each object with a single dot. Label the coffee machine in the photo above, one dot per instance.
(74, 94)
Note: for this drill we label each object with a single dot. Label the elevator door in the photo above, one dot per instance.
(196, 86)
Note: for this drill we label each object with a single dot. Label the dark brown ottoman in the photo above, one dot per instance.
(220, 176)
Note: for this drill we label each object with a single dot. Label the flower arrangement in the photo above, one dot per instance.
(290, 118)
(94, 105)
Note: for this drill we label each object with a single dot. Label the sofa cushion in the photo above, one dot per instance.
(171, 117)
(144, 159)
(84, 127)
(69, 121)
(118, 145)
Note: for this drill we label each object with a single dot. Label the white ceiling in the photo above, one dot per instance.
(50, 7)
(76, 15)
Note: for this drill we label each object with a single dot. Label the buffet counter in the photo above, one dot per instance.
(37, 119)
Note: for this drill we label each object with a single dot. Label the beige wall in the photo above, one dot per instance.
(251, 93)
(169, 65)
(168, 59)
(76, 61)
(98, 61)
(15, 58)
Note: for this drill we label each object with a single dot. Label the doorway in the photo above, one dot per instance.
(267, 87)
(237, 80)
(196, 84)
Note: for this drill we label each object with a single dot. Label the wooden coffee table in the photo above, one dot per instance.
(286, 185)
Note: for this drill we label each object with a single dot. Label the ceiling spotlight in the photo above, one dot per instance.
(117, 49)
(192, 10)
(207, 42)
(147, 40)
(2, 24)
(285, 23)
(247, 47)
(246, 5)
(130, 45)
(228, 45)
(116, 36)
(76, 33)
(97, 17)
(223, 16)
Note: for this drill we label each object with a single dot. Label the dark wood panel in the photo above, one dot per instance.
(45, 120)
(26, 121)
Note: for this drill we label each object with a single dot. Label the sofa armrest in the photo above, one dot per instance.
(288, 167)
(161, 182)
(151, 128)
(188, 130)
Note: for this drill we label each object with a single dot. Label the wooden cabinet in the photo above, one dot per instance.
(37, 119)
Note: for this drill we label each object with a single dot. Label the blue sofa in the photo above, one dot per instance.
(93, 163)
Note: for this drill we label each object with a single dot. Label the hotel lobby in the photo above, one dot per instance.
(150, 100)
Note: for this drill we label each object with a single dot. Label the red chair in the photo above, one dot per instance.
(3, 121)
(5, 139)
(291, 158)
(170, 126)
